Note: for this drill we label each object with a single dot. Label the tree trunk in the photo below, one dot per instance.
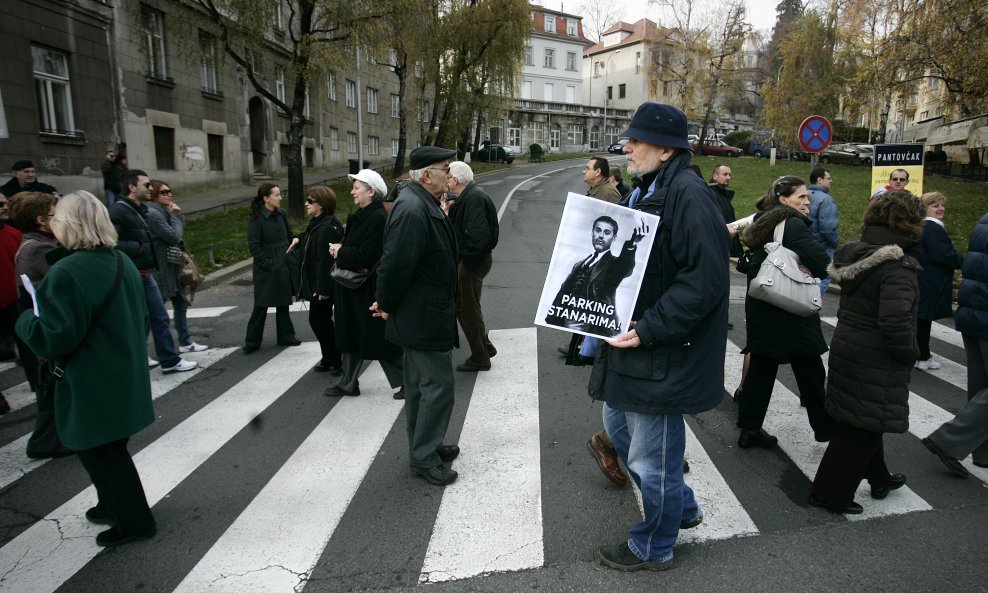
(296, 183)
(402, 118)
(883, 121)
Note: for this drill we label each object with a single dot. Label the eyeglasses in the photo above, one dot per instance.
(444, 169)
(899, 179)
(310, 201)
(3, 204)
(165, 192)
(147, 185)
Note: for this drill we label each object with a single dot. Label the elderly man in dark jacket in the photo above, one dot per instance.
(130, 218)
(475, 222)
(416, 287)
(672, 361)
(26, 179)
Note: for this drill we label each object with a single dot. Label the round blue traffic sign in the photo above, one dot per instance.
(815, 133)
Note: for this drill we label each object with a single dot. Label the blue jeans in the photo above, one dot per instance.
(652, 446)
(180, 318)
(164, 345)
(825, 282)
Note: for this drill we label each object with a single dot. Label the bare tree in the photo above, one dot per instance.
(599, 16)
(724, 61)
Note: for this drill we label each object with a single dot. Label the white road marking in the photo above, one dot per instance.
(202, 312)
(44, 556)
(276, 541)
(490, 519)
(296, 307)
(507, 199)
(787, 421)
(14, 462)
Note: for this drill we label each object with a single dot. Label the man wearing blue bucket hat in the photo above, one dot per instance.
(671, 361)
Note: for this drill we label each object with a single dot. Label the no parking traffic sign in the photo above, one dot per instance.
(815, 133)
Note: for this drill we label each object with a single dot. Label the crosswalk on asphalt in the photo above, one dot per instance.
(490, 520)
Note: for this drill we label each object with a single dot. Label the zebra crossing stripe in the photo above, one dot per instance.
(950, 371)
(946, 334)
(14, 462)
(45, 555)
(296, 307)
(787, 421)
(276, 541)
(202, 312)
(19, 396)
(490, 519)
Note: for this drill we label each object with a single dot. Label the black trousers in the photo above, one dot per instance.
(44, 439)
(852, 455)
(321, 322)
(923, 329)
(118, 486)
(255, 326)
(758, 385)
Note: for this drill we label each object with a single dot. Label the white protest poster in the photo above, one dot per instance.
(597, 267)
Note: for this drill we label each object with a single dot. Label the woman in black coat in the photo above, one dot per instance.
(359, 335)
(315, 284)
(268, 238)
(872, 352)
(776, 336)
(939, 259)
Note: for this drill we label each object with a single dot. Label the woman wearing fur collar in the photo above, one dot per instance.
(872, 351)
(776, 336)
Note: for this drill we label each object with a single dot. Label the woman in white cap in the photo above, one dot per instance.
(359, 335)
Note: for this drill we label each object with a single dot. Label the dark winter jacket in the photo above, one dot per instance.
(823, 217)
(724, 201)
(13, 187)
(130, 219)
(874, 346)
(316, 260)
(268, 237)
(681, 310)
(475, 221)
(939, 259)
(972, 296)
(357, 331)
(772, 331)
(416, 281)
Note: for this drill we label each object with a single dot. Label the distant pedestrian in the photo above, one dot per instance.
(315, 285)
(596, 174)
(938, 259)
(113, 168)
(359, 334)
(268, 237)
(872, 353)
(92, 327)
(474, 219)
(10, 242)
(418, 274)
(26, 179)
(618, 182)
(166, 224)
(967, 432)
(720, 179)
(823, 215)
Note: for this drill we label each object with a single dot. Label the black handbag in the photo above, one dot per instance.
(351, 279)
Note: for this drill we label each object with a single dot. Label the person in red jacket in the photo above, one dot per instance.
(10, 241)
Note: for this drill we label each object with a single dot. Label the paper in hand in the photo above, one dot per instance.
(30, 290)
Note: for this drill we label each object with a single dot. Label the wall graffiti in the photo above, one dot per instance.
(54, 165)
(194, 156)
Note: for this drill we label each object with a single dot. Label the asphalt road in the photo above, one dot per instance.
(260, 483)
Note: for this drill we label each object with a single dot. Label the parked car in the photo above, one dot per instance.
(847, 154)
(617, 147)
(494, 153)
(716, 147)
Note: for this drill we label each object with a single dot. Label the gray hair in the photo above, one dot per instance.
(82, 222)
(462, 172)
(416, 174)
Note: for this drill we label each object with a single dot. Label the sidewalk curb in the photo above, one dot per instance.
(222, 275)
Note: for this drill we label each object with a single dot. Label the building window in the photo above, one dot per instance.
(154, 42)
(934, 84)
(164, 148)
(638, 62)
(253, 60)
(610, 93)
(373, 145)
(371, 100)
(554, 138)
(331, 86)
(283, 150)
(571, 27)
(550, 58)
(306, 113)
(550, 23)
(574, 135)
(526, 89)
(538, 132)
(426, 112)
(514, 136)
(571, 61)
(594, 138)
(940, 111)
(395, 106)
(548, 92)
(351, 94)
(570, 93)
(351, 142)
(279, 83)
(596, 69)
(621, 91)
(529, 56)
(334, 139)
(394, 147)
(214, 142)
(310, 157)
(278, 20)
(51, 79)
(207, 47)
(923, 115)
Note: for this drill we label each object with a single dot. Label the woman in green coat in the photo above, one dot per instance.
(91, 324)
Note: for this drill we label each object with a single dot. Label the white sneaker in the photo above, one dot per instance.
(152, 363)
(193, 347)
(932, 364)
(181, 367)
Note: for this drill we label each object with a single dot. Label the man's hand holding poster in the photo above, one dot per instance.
(597, 267)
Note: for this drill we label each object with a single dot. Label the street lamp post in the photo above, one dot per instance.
(606, 89)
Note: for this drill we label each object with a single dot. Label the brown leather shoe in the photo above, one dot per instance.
(607, 459)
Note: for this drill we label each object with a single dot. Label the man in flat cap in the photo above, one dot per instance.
(671, 362)
(26, 179)
(416, 286)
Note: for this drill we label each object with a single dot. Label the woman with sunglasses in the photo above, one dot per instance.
(269, 238)
(166, 223)
(315, 284)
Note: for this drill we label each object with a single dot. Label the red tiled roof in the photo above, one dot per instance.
(641, 30)
(538, 25)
